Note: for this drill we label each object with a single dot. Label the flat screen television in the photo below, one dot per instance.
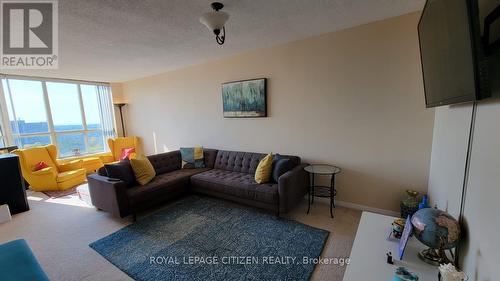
(453, 62)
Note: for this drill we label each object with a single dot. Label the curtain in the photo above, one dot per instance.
(107, 111)
(3, 140)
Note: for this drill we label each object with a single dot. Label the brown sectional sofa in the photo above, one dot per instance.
(228, 175)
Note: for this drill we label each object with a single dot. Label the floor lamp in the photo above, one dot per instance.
(120, 105)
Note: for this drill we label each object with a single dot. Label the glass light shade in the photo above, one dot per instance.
(214, 20)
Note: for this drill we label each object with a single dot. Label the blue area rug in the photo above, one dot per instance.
(200, 238)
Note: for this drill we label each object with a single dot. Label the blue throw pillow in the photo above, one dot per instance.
(281, 165)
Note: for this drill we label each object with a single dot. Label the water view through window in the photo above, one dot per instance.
(66, 114)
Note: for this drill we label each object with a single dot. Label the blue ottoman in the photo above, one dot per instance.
(17, 263)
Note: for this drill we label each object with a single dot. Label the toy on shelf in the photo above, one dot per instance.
(402, 274)
(398, 226)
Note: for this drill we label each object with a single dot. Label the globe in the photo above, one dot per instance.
(435, 228)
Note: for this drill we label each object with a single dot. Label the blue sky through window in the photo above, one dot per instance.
(27, 97)
(64, 102)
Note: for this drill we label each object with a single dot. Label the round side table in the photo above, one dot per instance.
(321, 190)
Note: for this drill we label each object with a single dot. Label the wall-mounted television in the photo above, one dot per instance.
(453, 62)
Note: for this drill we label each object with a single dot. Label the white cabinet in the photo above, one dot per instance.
(368, 255)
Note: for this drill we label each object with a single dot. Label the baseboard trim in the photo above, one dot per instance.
(366, 208)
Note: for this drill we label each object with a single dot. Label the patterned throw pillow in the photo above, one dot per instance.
(127, 153)
(264, 169)
(192, 157)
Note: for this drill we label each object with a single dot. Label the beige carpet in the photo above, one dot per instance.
(60, 229)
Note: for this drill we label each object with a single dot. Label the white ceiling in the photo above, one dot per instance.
(115, 41)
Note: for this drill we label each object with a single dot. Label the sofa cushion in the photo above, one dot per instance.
(209, 155)
(90, 164)
(166, 162)
(161, 184)
(70, 175)
(236, 161)
(237, 184)
(244, 162)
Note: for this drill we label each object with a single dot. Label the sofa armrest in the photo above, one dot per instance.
(109, 195)
(292, 186)
(41, 180)
(49, 171)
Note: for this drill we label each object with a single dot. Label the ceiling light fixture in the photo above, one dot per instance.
(215, 21)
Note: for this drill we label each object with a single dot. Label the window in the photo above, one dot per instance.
(64, 102)
(90, 99)
(77, 117)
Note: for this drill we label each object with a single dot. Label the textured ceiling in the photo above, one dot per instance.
(106, 40)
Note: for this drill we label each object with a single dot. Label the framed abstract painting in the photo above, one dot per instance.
(244, 99)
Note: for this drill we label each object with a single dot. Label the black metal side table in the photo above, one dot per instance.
(320, 190)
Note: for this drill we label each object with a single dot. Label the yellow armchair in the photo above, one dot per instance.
(55, 177)
(116, 146)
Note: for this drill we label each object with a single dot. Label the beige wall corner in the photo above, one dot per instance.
(117, 90)
(118, 97)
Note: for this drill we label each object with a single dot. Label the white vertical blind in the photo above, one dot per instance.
(107, 112)
(3, 116)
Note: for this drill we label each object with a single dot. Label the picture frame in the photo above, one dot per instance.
(245, 98)
(407, 231)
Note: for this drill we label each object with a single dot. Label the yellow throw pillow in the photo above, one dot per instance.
(143, 169)
(264, 169)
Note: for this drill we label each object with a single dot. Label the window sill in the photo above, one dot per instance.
(72, 157)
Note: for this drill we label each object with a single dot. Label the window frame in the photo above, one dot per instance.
(9, 137)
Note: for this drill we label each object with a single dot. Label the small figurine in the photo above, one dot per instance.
(389, 258)
(402, 274)
(398, 226)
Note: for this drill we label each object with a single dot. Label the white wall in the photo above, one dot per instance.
(481, 254)
(352, 98)
(449, 152)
